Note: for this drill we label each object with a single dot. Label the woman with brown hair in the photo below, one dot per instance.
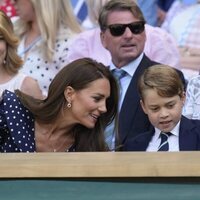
(82, 100)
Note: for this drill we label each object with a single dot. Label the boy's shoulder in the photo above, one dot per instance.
(190, 124)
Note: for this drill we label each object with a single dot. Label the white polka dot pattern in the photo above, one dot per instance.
(36, 66)
(16, 125)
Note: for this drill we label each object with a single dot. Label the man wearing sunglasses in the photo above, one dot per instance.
(123, 35)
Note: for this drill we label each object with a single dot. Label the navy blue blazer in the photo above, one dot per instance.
(189, 137)
(132, 119)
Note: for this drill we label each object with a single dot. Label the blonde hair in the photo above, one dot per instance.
(164, 79)
(12, 61)
(50, 14)
(94, 7)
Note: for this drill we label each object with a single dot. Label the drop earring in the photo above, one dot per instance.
(69, 105)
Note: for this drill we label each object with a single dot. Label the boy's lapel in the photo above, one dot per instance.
(187, 136)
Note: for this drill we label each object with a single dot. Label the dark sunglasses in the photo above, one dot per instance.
(119, 29)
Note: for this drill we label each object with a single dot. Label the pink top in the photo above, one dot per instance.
(160, 46)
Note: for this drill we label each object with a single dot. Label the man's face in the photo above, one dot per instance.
(126, 47)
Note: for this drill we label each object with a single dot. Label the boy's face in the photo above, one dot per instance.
(164, 112)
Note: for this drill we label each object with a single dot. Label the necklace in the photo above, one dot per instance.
(49, 141)
(66, 150)
(60, 147)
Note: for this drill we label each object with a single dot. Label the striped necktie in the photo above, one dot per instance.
(119, 74)
(164, 145)
(110, 130)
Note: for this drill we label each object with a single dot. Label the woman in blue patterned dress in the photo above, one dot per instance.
(82, 100)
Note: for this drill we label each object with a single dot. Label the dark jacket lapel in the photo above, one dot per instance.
(140, 142)
(132, 119)
(189, 134)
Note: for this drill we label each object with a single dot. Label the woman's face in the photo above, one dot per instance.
(3, 50)
(88, 104)
(24, 9)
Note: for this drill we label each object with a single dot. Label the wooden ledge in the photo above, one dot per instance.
(100, 165)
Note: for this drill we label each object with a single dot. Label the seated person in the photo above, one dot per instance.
(191, 108)
(162, 99)
(45, 29)
(8, 7)
(10, 62)
(82, 100)
(160, 46)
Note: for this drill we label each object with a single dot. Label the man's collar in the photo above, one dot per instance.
(130, 67)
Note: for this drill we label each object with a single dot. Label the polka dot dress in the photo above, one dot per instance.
(16, 125)
(40, 68)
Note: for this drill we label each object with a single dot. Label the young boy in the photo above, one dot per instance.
(162, 98)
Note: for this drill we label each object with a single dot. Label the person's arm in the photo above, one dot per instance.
(31, 87)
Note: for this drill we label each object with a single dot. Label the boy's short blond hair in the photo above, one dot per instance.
(164, 79)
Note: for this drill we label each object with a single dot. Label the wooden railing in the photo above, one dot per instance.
(100, 165)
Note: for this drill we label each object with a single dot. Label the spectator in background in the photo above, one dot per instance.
(183, 22)
(80, 9)
(176, 8)
(163, 7)
(154, 11)
(82, 100)
(45, 29)
(10, 63)
(159, 46)
(8, 7)
(191, 108)
(185, 26)
(93, 8)
(149, 10)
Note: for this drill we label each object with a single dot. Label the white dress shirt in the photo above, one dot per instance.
(125, 81)
(173, 140)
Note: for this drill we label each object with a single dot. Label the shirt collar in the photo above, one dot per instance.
(174, 131)
(130, 67)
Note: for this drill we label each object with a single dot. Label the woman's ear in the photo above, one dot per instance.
(68, 93)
